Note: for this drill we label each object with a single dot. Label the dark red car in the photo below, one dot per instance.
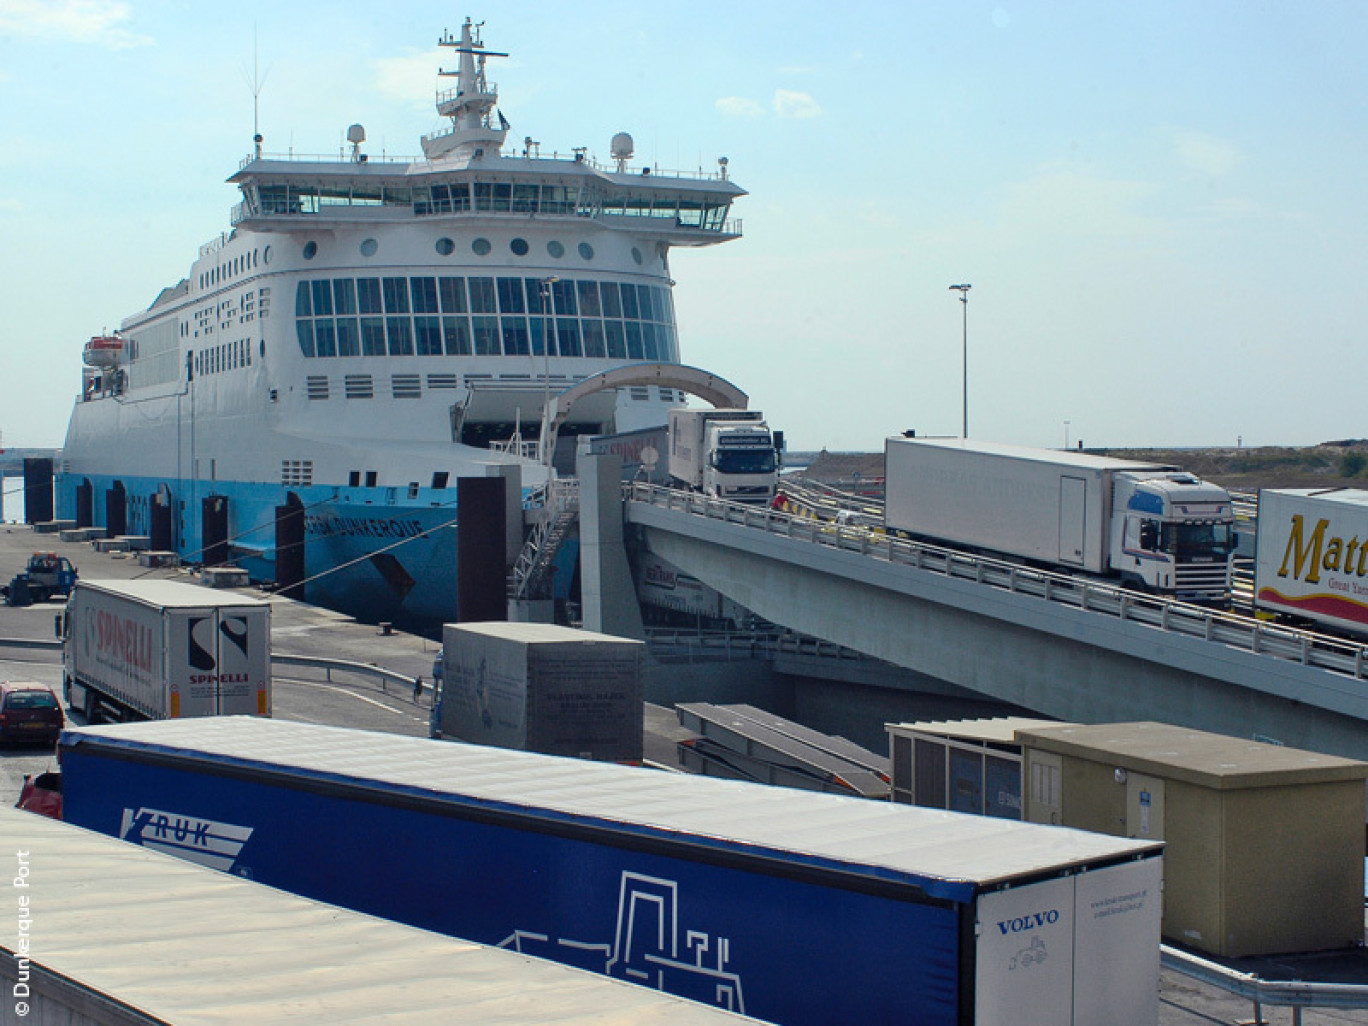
(29, 712)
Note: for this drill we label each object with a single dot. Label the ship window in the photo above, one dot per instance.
(481, 247)
(519, 247)
(453, 294)
(370, 479)
(372, 336)
(428, 335)
(612, 300)
(456, 335)
(555, 249)
(400, 336)
(303, 305)
(424, 295)
(344, 296)
(368, 295)
(511, 296)
(322, 298)
(586, 251)
(538, 335)
(481, 295)
(636, 255)
(306, 338)
(563, 298)
(524, 202)
(515, 340)
(558, 199)
(633, 340)
(310, 250)
(325, 340)
(535, 288)
(348, 338)
(485, 335)
(445, 247)
(413, 490)
(496, 196)
(617, 340)
(593, 338)
(650, 341)
(354, 479)
(368, 247)
(366, 196)
(588, 292)
(397, 197)
(568, 336)
(439, 480)
(396, 295)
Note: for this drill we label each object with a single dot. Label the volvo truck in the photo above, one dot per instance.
(725, 453)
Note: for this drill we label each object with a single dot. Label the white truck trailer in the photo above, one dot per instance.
(1151, 526)
(156, 650)
(1311, 556)
(726, 453)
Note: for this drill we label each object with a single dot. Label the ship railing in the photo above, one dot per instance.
(517, 446)
(730, 645)
(1259, 637)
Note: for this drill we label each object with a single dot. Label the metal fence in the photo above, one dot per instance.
(1259, 637)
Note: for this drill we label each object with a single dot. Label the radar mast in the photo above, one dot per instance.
(470, 106)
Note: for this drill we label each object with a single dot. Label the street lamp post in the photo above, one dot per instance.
(963, 290)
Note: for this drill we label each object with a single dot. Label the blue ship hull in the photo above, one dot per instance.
(366, 553)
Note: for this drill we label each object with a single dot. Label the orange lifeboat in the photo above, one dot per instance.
(103, 351)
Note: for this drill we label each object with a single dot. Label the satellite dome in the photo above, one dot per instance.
(356, 135)
(622, 146)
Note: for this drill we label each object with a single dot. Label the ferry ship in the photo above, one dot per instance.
(369, 331)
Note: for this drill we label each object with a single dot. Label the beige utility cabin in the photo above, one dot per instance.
(1264, 844)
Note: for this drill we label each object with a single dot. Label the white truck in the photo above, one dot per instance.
(1311, 556)
(726, 453)
(1153, 527)
(156, 650)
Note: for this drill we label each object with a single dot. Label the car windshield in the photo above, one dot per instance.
(31, 700)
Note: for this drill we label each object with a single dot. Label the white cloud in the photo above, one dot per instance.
(740, 107)
(1205, 153)
(77, 21)
(790, 104)
(1066, 200)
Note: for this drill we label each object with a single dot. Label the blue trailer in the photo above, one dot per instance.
(794, 907)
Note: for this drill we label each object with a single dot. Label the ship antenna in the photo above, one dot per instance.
(257, 82)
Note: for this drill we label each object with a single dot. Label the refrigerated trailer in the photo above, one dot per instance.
(1151, 526)
(791, 906)
(165, 650)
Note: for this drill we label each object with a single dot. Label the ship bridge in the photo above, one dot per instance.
(1065, 647)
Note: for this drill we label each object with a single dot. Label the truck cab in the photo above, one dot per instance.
(1173, 534)
(742, 464)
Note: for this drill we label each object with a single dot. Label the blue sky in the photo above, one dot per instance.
(1160, 206)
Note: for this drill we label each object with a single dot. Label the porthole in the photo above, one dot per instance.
(555, 249)
(310, 250)
(636, 254)
(368, 247)
(445, 247)
(586, 251)
(519, 247)
(481, 247)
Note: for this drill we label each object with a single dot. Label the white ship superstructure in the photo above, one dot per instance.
(371, 330)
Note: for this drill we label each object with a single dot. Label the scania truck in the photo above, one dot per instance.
(1153, 527)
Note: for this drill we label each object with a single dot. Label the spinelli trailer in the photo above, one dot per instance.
(165, 650)
(793, 907)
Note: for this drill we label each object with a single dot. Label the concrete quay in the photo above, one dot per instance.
(351, 700)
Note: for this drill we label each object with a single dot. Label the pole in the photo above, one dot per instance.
(963, 290)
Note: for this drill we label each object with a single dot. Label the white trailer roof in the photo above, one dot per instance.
(1348, 496)
(184, 944)
(1063, 457)
(174, 594)
(948, 855)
